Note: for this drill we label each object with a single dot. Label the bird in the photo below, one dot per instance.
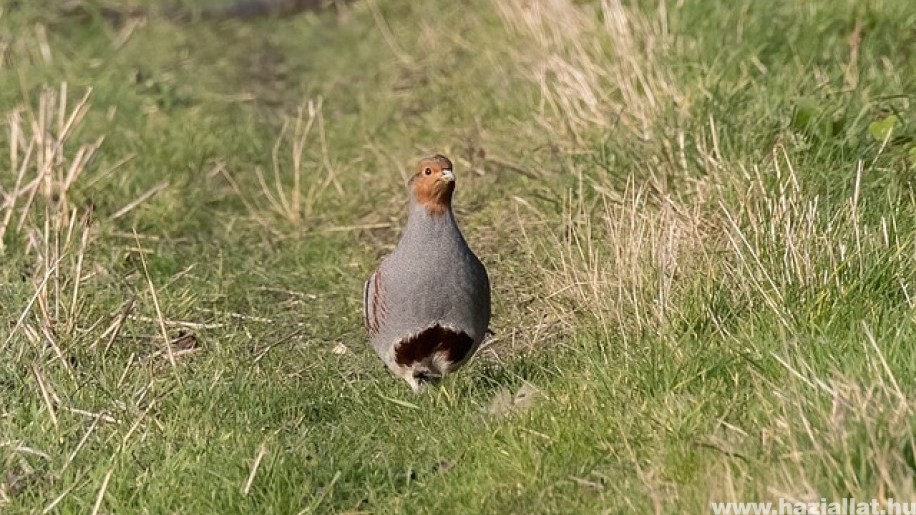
(426, 307)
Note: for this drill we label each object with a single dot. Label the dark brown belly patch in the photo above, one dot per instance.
(454, 344)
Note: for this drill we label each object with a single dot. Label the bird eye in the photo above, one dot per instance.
(428, 171)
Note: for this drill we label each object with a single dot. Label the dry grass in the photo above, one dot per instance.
(53, 233)
(38, 211)
(831, 436)
(595, 70)
(631, 266)
(54, 238)
(618, 257)
(296, 183)
(785, 240)
(639, 261)
(622, 243)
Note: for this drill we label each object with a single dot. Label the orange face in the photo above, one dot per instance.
(433, 184)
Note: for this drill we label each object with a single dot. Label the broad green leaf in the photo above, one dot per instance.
(882, 129)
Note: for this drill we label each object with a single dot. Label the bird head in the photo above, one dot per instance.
(433, 184)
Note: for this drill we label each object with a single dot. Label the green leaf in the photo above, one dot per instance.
(813, 119)
(806, 112)
(882, 129)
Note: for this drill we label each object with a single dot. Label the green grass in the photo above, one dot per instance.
(699, 222)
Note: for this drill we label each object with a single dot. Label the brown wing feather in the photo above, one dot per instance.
(373, 307)
(366, 304)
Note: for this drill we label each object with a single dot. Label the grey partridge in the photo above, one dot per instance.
(426, 307)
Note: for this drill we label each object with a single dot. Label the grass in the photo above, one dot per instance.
(699, 221)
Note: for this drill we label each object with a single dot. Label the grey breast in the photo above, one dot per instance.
(432, 277)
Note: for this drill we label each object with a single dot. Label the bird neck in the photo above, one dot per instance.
(423, 223)
(436, 199)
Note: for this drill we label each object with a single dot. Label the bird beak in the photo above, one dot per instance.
(447, 175)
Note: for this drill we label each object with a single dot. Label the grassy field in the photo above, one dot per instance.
(698, 217)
